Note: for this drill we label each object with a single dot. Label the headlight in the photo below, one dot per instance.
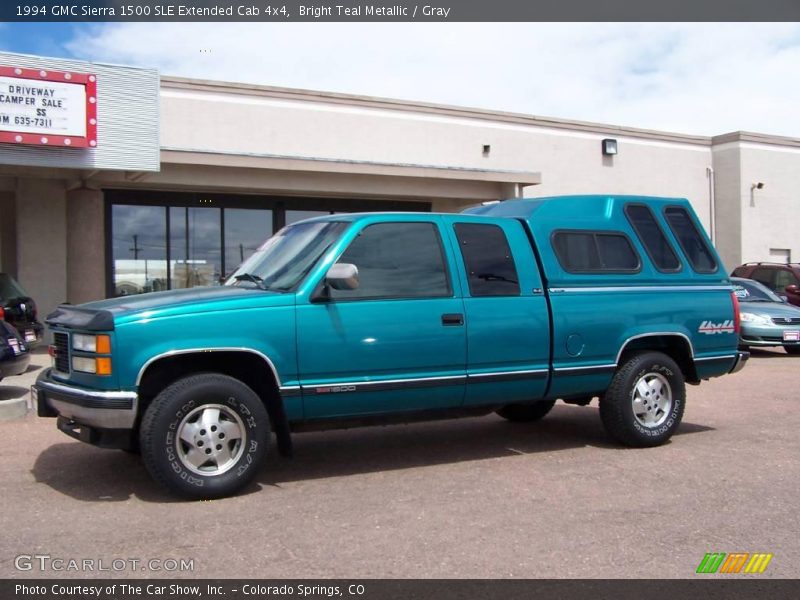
(97, 366)
(755, 319)
(91, 343)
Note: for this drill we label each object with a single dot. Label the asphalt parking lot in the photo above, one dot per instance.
(478, 497)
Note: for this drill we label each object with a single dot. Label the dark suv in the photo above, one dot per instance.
(19, 309)
(783, 279)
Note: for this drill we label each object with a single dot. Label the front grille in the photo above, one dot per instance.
(61, 344)
(786, 320)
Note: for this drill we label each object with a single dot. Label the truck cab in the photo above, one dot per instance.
(371, 318)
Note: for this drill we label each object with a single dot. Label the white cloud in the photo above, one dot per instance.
(697, 78)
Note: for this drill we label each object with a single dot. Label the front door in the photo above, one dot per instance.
(396, 343)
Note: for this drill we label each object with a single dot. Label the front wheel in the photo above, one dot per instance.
(644, 404)
(205, 436)
(793, 350)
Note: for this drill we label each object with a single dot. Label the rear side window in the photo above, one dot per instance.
(487, 256)
(595, 252)
(652, 237)
(692, 243)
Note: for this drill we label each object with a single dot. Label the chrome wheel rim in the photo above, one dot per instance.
(651, 399)
(210, 439)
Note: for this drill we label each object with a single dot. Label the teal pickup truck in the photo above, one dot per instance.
(360, 319)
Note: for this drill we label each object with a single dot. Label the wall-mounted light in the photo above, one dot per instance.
(487, 149)
(759, 185)
(609, 147)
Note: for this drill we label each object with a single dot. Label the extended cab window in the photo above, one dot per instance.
(595, 252)
(397, 260)
(692, 243)
(652, 238)
(490, 266)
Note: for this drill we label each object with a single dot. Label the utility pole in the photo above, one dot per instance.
(135, 248)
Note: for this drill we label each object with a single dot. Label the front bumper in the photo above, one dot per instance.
(741, 358)
(93, 408)
(767, 335)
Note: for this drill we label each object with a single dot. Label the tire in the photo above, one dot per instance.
(627, 409)
(524, 413)
(205, 436)
(793, 350)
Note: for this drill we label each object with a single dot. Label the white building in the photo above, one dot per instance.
(187, 177)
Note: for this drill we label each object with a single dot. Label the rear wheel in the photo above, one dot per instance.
(793, 350)
(644, 404)
(205, 436)
(523, 413)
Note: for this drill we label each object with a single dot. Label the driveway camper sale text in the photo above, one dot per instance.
(241, 11)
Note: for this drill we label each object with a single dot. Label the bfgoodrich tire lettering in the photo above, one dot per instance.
(205, 436)
(644, 404)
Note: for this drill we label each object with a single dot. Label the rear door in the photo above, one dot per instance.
(508, 325)
(396, 343)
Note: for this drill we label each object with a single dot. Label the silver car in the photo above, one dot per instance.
(766, 319)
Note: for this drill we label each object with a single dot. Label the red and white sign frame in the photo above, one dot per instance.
(89, 81)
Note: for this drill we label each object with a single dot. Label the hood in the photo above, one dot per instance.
(102, 314)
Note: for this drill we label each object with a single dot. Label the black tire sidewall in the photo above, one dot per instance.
(170, 407)
(628, 429)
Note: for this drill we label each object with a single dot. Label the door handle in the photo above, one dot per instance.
(453, 319)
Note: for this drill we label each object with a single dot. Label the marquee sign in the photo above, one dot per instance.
(48, 108)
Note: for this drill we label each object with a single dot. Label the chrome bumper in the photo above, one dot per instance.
(741, 359)
(94, 408)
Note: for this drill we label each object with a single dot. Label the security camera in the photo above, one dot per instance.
(758, 186)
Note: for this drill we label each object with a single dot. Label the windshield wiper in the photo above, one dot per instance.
(252, 278)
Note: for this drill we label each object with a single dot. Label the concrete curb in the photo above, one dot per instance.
(13, 409)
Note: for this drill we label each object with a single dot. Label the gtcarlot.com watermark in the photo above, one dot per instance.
(45, 563)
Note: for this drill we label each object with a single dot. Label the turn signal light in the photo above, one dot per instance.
(2, 313)
(103, 365)
(104, 344)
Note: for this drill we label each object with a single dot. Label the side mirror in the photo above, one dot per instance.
(783, 298)
(792, 289)
(342, 276)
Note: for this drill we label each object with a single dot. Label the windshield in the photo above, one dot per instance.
(10, 288)
(752, 291)
(283, 260)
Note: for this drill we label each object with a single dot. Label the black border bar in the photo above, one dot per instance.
(96, 11)
(733, 587)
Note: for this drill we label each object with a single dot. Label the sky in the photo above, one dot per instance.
(695, 78)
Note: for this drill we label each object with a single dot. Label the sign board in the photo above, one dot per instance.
(48, 108)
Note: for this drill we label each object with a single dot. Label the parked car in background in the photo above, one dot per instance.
(766, 319)
(14, 355)
(19, 309)
(783, 279)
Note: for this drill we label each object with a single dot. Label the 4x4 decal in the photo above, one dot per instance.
(710, 328)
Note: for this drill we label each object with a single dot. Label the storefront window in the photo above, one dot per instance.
(245, 230)
(195, 246)
(172, 240)
(293, 216)
(139, 249)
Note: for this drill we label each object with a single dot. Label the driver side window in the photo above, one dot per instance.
(397, 260)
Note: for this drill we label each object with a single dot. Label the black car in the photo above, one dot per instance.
(14, 355)
(19, 309)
